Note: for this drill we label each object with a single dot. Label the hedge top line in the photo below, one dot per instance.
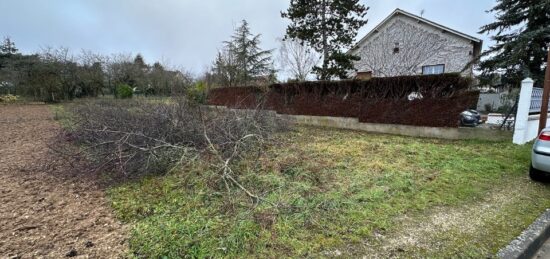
(430, 86)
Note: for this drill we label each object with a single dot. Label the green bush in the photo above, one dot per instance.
(124, 91)
(197, 92)
(8, 98)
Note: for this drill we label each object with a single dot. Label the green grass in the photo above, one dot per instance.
(331, 192)
(62, 114)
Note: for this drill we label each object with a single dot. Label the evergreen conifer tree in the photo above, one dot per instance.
(522, 40)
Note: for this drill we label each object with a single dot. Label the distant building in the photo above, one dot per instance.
(407, 44)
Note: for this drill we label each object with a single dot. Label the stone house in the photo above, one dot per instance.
(407, 44)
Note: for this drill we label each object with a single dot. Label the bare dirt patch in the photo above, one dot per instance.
(49, 211)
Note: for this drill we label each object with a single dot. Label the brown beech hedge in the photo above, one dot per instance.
(379, 100)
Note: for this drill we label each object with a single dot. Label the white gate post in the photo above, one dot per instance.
(522, 116)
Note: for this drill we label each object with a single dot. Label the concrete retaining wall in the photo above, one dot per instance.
(403, 130)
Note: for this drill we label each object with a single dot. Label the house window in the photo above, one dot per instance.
(396, 49)
(433, 70)
(364, 75)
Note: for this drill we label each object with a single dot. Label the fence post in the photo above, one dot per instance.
(522, 116)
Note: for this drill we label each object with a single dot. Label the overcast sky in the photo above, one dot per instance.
(187, 33)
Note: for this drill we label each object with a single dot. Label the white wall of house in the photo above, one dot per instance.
(495, 100)
(419, 44)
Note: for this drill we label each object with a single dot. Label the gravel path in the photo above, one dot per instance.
(48, 211)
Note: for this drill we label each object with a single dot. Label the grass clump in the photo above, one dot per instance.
(330, 192)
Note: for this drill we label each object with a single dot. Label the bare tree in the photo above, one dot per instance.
(400, 50)
(88, 57)
(118, 69)
(92, 67)
(55, 74)
(58, 72)
(297, 59)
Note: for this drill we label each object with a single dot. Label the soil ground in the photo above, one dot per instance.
(46, 208)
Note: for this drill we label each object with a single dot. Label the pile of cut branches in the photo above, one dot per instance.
(136, 137)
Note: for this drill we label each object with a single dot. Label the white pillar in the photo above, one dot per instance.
(522, 116)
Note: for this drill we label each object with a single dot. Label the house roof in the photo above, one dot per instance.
(477, 42)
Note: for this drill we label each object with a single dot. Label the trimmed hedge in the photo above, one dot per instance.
(432, 112)
(236, 97)
(379, 100)
(383, 88)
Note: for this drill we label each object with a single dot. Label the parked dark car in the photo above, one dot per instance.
(470, 118)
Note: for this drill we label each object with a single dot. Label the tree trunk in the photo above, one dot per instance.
(324, 74)
(545, 96)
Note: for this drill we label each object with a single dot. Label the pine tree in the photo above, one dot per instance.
(8, 47)
(329, 27)
(139, 73)
(252, 62)
(242, 60)
(522, 39)
(139, 62)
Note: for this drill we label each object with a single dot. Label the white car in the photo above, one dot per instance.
(540, 157)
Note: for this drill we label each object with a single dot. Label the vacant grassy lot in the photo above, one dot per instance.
(331, 193)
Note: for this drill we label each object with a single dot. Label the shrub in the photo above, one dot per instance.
(9, 98)
(124, 91)
(197, 93)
